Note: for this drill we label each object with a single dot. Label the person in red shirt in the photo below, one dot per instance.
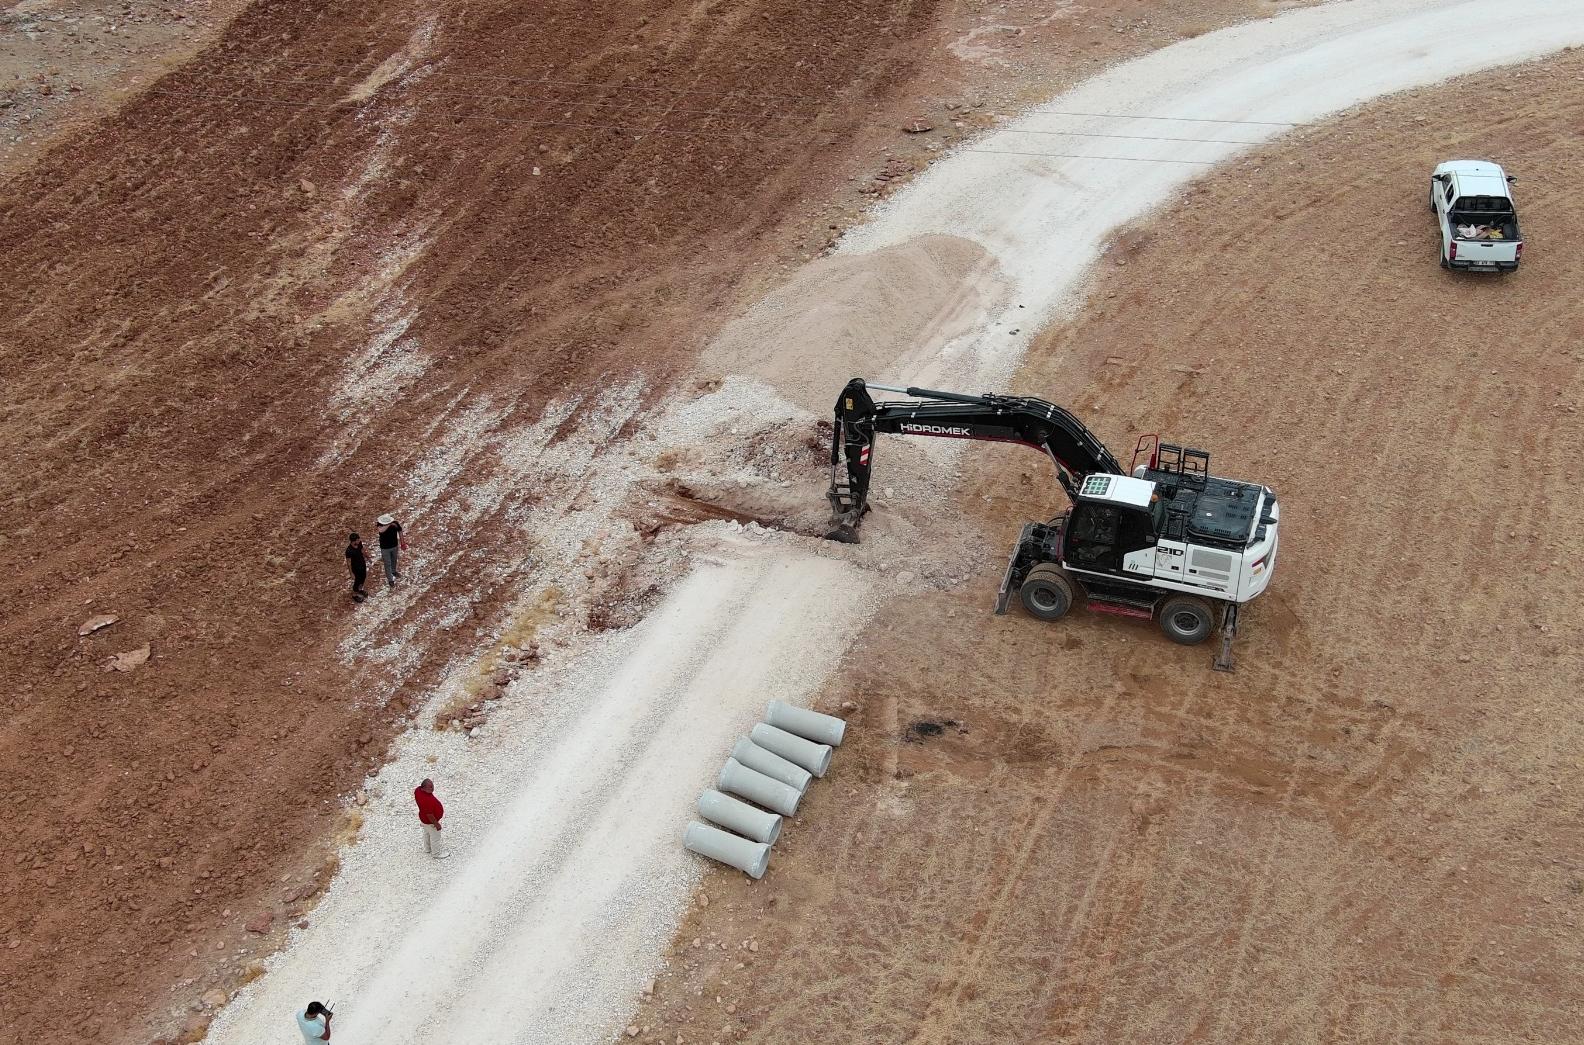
(429, 813)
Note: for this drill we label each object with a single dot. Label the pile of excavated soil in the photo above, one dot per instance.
(866, 315)
(1363, 834)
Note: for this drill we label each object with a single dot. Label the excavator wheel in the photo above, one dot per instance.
(1186, 619)
(1047, 593)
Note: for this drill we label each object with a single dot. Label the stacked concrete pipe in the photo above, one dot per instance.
(772, 767)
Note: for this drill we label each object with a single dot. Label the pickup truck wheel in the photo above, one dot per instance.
(1186, 620)
(1444, 262)
(1046, 592)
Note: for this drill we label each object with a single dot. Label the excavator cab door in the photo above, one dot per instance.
(1110, 538)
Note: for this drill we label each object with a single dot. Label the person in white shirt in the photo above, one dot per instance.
(314, 1022)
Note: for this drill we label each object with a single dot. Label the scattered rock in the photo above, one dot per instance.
(918, 126)
(307, 187)
(260, 923)
(632, 1030)
(849, 705)
(753, 946)
(128, 660)
(93, 624)
(213, 999)
(906, 577)
(193, 1030)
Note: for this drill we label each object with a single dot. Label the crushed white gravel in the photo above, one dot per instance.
(564, 816)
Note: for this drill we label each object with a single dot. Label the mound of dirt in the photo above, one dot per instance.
(867, 315)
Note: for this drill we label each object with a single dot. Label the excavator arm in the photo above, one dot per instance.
(1074, 450)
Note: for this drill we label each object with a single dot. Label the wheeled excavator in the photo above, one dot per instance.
(1166, 540)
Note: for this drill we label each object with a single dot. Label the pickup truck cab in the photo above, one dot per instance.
(1473, 206)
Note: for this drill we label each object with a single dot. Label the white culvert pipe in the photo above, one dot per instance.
(811, 756)
(740, 817)
(751, 858)
(810, 725)
(756, 787)
(771, 765)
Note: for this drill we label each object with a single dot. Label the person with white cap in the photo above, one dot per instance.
(390, 541)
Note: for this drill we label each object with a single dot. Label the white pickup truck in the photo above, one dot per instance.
(1479, 224)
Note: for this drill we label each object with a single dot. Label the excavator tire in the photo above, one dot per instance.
(1047, 593)
(1186, 619)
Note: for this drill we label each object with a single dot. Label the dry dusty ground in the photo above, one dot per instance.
(1370, 831)
(65, 62)
(309, 276)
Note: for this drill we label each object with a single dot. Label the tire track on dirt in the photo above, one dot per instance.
(940, 1022)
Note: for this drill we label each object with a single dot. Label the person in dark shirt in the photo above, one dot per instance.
(357, 562)
(390, 540)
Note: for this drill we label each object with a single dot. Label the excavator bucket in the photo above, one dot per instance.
(852, 439)
(843, 534)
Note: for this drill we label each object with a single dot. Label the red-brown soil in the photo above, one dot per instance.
(191, 280)
(199, 403)
(1364, 834)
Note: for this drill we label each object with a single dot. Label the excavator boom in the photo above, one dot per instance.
(1075, 451)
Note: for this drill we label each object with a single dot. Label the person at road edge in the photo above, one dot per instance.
(314, 1022)
(429, 813)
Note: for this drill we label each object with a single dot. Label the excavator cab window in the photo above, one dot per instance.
(1099, 535)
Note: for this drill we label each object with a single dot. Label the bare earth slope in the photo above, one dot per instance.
(1077, 832)
(308, 278)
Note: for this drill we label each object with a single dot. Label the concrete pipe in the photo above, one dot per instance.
(810, 725)
(740, 817)
(771, 765)
(751, 858)
(811, 756)
(756, 787)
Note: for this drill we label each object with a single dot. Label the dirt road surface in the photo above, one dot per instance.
(565, 879)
